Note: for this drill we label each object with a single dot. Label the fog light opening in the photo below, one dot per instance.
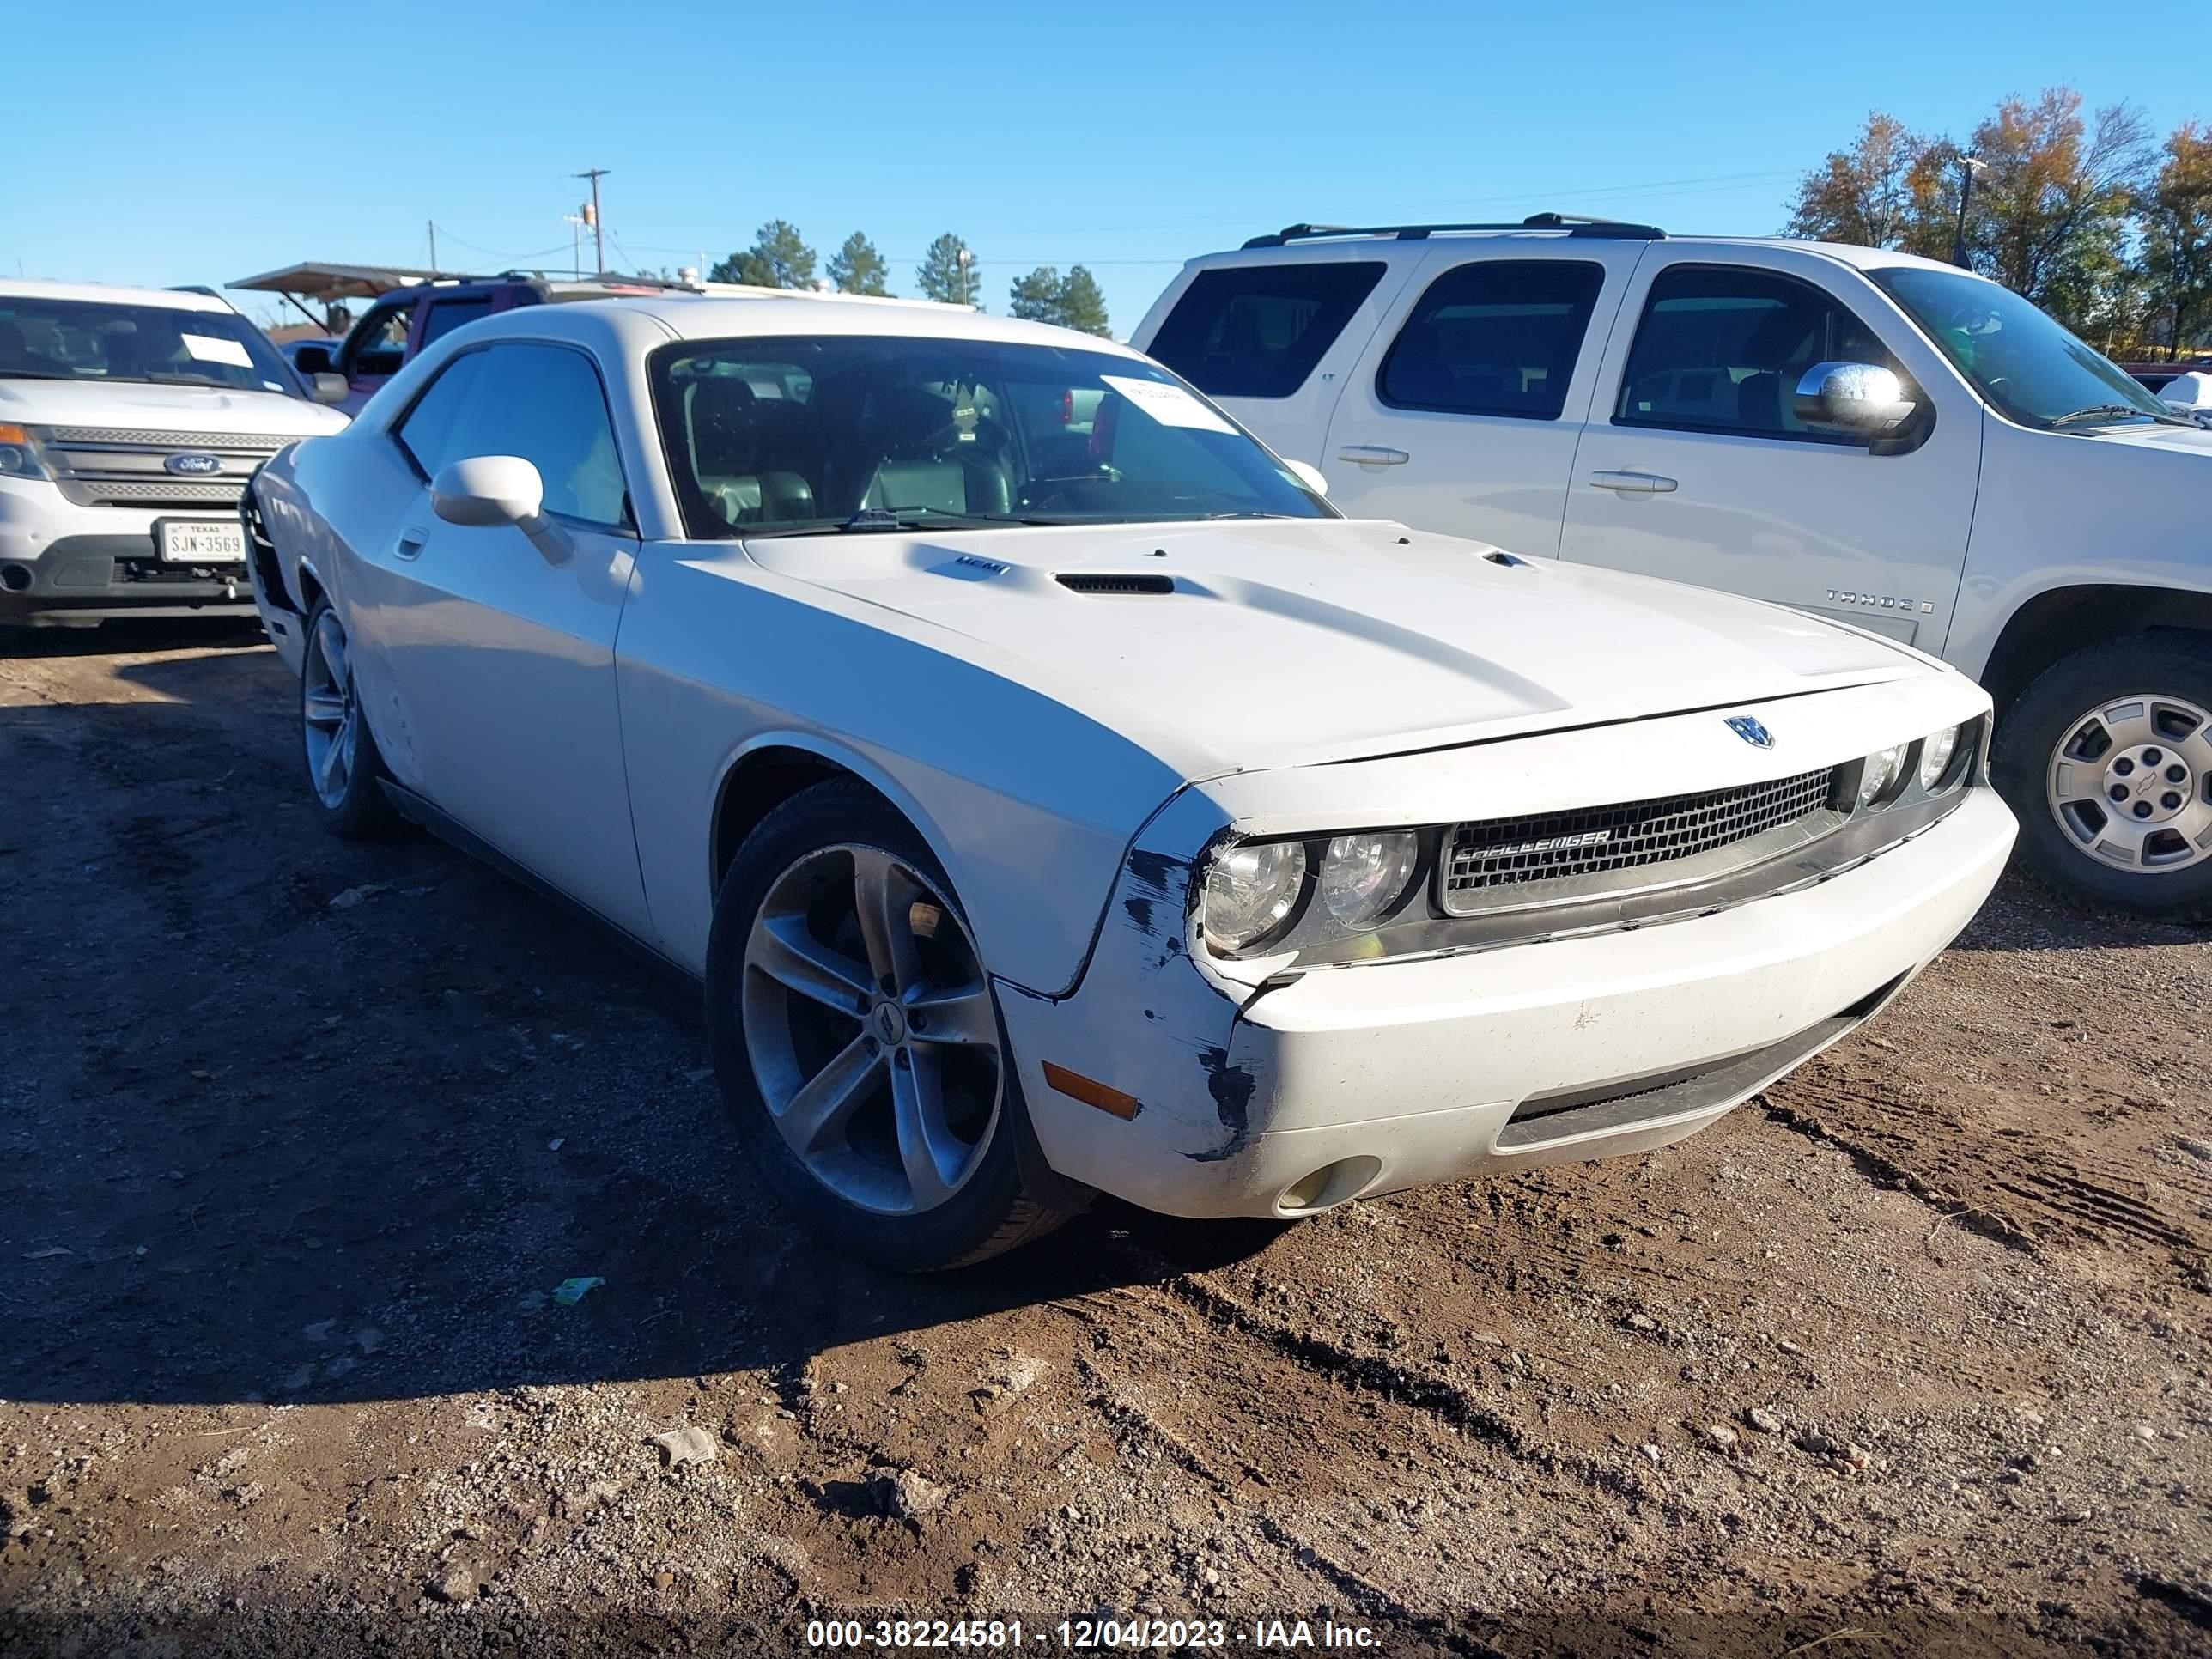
(1328, 1187)
(15, 577)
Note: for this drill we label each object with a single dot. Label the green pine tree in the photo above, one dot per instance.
(779, 257)
(948, 271)
(1081, 306)
(1036, 296)
(857, 268)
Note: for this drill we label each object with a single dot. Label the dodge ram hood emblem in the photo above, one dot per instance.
(1751, 730)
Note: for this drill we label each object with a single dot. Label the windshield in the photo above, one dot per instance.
(791, 435)
(43, 339)
(2017, 357)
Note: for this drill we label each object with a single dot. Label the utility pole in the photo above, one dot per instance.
(963, 259)
(575, 222)
(599, 230)
(433, 223)
(1969, 165)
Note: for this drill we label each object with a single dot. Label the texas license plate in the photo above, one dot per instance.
(185, 541)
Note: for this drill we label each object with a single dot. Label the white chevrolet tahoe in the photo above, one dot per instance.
(1861, 434)
(129, 421)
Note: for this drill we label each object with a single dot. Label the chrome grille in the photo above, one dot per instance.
(122, 437)
(165, 492)
(1488, 862)
(117, 466)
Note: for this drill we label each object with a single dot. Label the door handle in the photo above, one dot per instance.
(1372, 455)
(411, 543)
(1634, 483)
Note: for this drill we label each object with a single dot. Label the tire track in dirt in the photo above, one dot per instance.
(2069, 1189)
(1111, 1399)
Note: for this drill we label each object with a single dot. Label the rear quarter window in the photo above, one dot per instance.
(1258, 331)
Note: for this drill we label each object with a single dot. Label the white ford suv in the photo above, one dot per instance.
(130, 420)
(1858, 434)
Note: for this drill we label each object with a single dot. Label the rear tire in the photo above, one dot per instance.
(345, 773)
(857, 1040)
(2107, 760)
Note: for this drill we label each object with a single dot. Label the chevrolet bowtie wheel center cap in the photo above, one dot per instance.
(2148, 784)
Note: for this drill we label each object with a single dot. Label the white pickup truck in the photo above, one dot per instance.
(1858, 434)
(129, 421)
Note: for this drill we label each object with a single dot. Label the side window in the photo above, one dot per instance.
(447, 315)
(381, 346)
(1494, 338)
(1257, 331)
(1721, 349)
(426, 431)
(541, 402)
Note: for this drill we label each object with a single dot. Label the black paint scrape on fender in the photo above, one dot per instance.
(1166, 883)
(1232, 1087)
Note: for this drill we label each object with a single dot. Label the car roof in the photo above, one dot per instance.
(641, 322)
(175, 299)
(1289, 246)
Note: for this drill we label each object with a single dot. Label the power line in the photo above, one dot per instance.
(499, 253)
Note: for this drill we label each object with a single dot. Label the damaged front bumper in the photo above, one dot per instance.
(1357, 1081)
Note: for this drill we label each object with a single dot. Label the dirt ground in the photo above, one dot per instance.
(1912, 1355)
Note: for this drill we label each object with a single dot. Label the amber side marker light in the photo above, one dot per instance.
(1091, 1092)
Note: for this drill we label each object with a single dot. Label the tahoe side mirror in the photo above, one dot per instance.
(326, 388)
(312, 360)
(1311, 476)
(496, 490)
(1862, 398)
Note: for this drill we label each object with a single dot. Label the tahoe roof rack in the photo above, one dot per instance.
(1572, 223)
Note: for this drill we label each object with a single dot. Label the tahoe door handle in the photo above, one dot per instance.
(1634, 483)
(411, 543)
(1372, 455)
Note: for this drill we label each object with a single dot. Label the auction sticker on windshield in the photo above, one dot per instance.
(212, 349)
(1171, 405)
(189, 541)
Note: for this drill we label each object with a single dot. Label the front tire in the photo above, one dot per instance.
(345, 773)
(2107, 760)
(857, 1039)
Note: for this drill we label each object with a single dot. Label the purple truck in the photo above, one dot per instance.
(401, 323)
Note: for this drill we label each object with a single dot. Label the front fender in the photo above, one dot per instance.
(1029, 805)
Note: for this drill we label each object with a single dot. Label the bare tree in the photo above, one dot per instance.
(2177, 241)
(2052, 202)
(1862, 194)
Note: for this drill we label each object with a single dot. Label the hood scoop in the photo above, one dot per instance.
(1132, 583)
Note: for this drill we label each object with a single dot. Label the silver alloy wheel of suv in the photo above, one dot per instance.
(2130, 782)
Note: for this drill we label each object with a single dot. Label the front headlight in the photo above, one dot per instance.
(1936, 753)
(1363, 876)
(1250, 888)
(1877, 783)
(19, 453)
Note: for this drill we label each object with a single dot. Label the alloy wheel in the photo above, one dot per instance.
(870, 1028)
(329, 712)
(2130, 783)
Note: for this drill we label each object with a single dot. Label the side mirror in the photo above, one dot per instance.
(496, 489)
(328, 388)
(1311, 476)
(1857, 397)
(312, 360)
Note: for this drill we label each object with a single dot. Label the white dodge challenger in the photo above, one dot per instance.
(1051, 792)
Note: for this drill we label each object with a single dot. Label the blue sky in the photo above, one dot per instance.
(167, 143)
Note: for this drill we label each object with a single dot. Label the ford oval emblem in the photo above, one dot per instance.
(1751, 730)
(193, 466)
